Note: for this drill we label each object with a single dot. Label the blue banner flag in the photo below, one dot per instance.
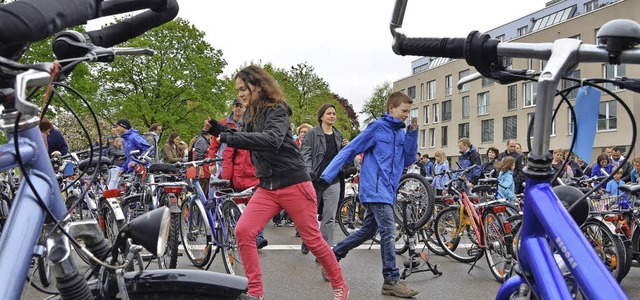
(586, 109)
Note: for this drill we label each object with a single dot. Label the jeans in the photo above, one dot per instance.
(379, 218)
(330, 198)
(299, 200)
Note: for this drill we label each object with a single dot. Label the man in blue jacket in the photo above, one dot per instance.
(131, 140)
(387, 151)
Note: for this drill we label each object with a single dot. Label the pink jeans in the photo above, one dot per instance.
(299, 200)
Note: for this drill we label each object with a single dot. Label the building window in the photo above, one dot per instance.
(411, 92)
(507, 62)
(431, 90)
(423, 138)
(529, 63)
(529, 124)
(611, 72)
(486, 81)
(463, 130)
(436, 113)
(543, 63)
(570, 120)
(446, 110)
(465, 107)
(426, 114)
(487, 131)
(465, 87)
(510, 127)
(608, 116)
(512, 97)
(432, 137)
(554, 18)
(448, 85)
(500, 38)
(421, 92)
(553, 124)
(445, 136)
(412, 114)
(570, 83)
(522, 30)
(590, 5)
(483, 104)
(529, 91)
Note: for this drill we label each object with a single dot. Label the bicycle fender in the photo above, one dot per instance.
(173, 204)
(115, 206)
(200, 282)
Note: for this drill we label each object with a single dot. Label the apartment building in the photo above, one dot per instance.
(489, 113)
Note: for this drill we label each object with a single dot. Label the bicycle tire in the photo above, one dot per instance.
(196, 238)
(461, 245)
(170, 256)
(427, 232)
(497, 254)
(227, 239)
(44, 268)
(351, 214)
(607, 245)
(422, 202)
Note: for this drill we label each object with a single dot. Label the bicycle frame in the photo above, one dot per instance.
(26, 217)
(214, 220)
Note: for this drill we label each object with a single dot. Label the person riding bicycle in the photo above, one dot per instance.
(469, 156)
(388, 149)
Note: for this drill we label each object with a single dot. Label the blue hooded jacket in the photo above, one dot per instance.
(387, 151)
(132, 140)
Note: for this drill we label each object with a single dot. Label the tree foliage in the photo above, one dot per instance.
(375, 106)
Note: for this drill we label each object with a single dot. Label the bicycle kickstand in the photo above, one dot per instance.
(213, 258)
(474, 263)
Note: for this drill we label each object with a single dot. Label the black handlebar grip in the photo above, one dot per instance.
(435, 47)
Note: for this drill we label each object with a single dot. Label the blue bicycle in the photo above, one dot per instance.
(545, 218)
(208, 222)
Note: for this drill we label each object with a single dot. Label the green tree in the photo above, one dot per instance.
(350, 116)
(177, 87)
(375, 106)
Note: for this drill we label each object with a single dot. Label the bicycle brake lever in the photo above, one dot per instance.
(628, 83)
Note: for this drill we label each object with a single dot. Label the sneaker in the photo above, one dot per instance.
(290, 223)
(249, 297)
(324, 275)
(304, 249)
(341, 293)
(279, 224)
(398, 289)
(261, 243)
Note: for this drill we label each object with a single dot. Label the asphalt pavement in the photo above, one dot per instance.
(290, 275)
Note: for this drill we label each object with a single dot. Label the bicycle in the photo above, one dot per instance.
(544, 214)
(469, 230)
(39, 202)
(207, 222)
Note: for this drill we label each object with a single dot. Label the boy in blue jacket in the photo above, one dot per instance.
(387, 151)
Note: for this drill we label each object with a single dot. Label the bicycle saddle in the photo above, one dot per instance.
(83, 165)
(162, 168)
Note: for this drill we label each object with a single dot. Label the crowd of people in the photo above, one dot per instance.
(298, 173)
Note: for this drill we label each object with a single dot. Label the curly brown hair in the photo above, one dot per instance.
(270, 91)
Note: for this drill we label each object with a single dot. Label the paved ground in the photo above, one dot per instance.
(288, 274)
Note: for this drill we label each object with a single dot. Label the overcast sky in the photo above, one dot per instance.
(348, 42)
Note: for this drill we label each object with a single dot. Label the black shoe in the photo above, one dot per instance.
(304, 249)
(261, 243)
(297, 233)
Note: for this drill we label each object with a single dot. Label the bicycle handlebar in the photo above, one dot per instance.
(194, 163)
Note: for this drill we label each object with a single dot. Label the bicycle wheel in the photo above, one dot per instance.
(195, 234)
(170, 256)
(608, 246)
(498, 254)
(351, 214)
(457, 240)
(421, 198)
(428, 233)
(227, 239)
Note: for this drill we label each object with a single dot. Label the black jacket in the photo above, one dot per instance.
(273, 152)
